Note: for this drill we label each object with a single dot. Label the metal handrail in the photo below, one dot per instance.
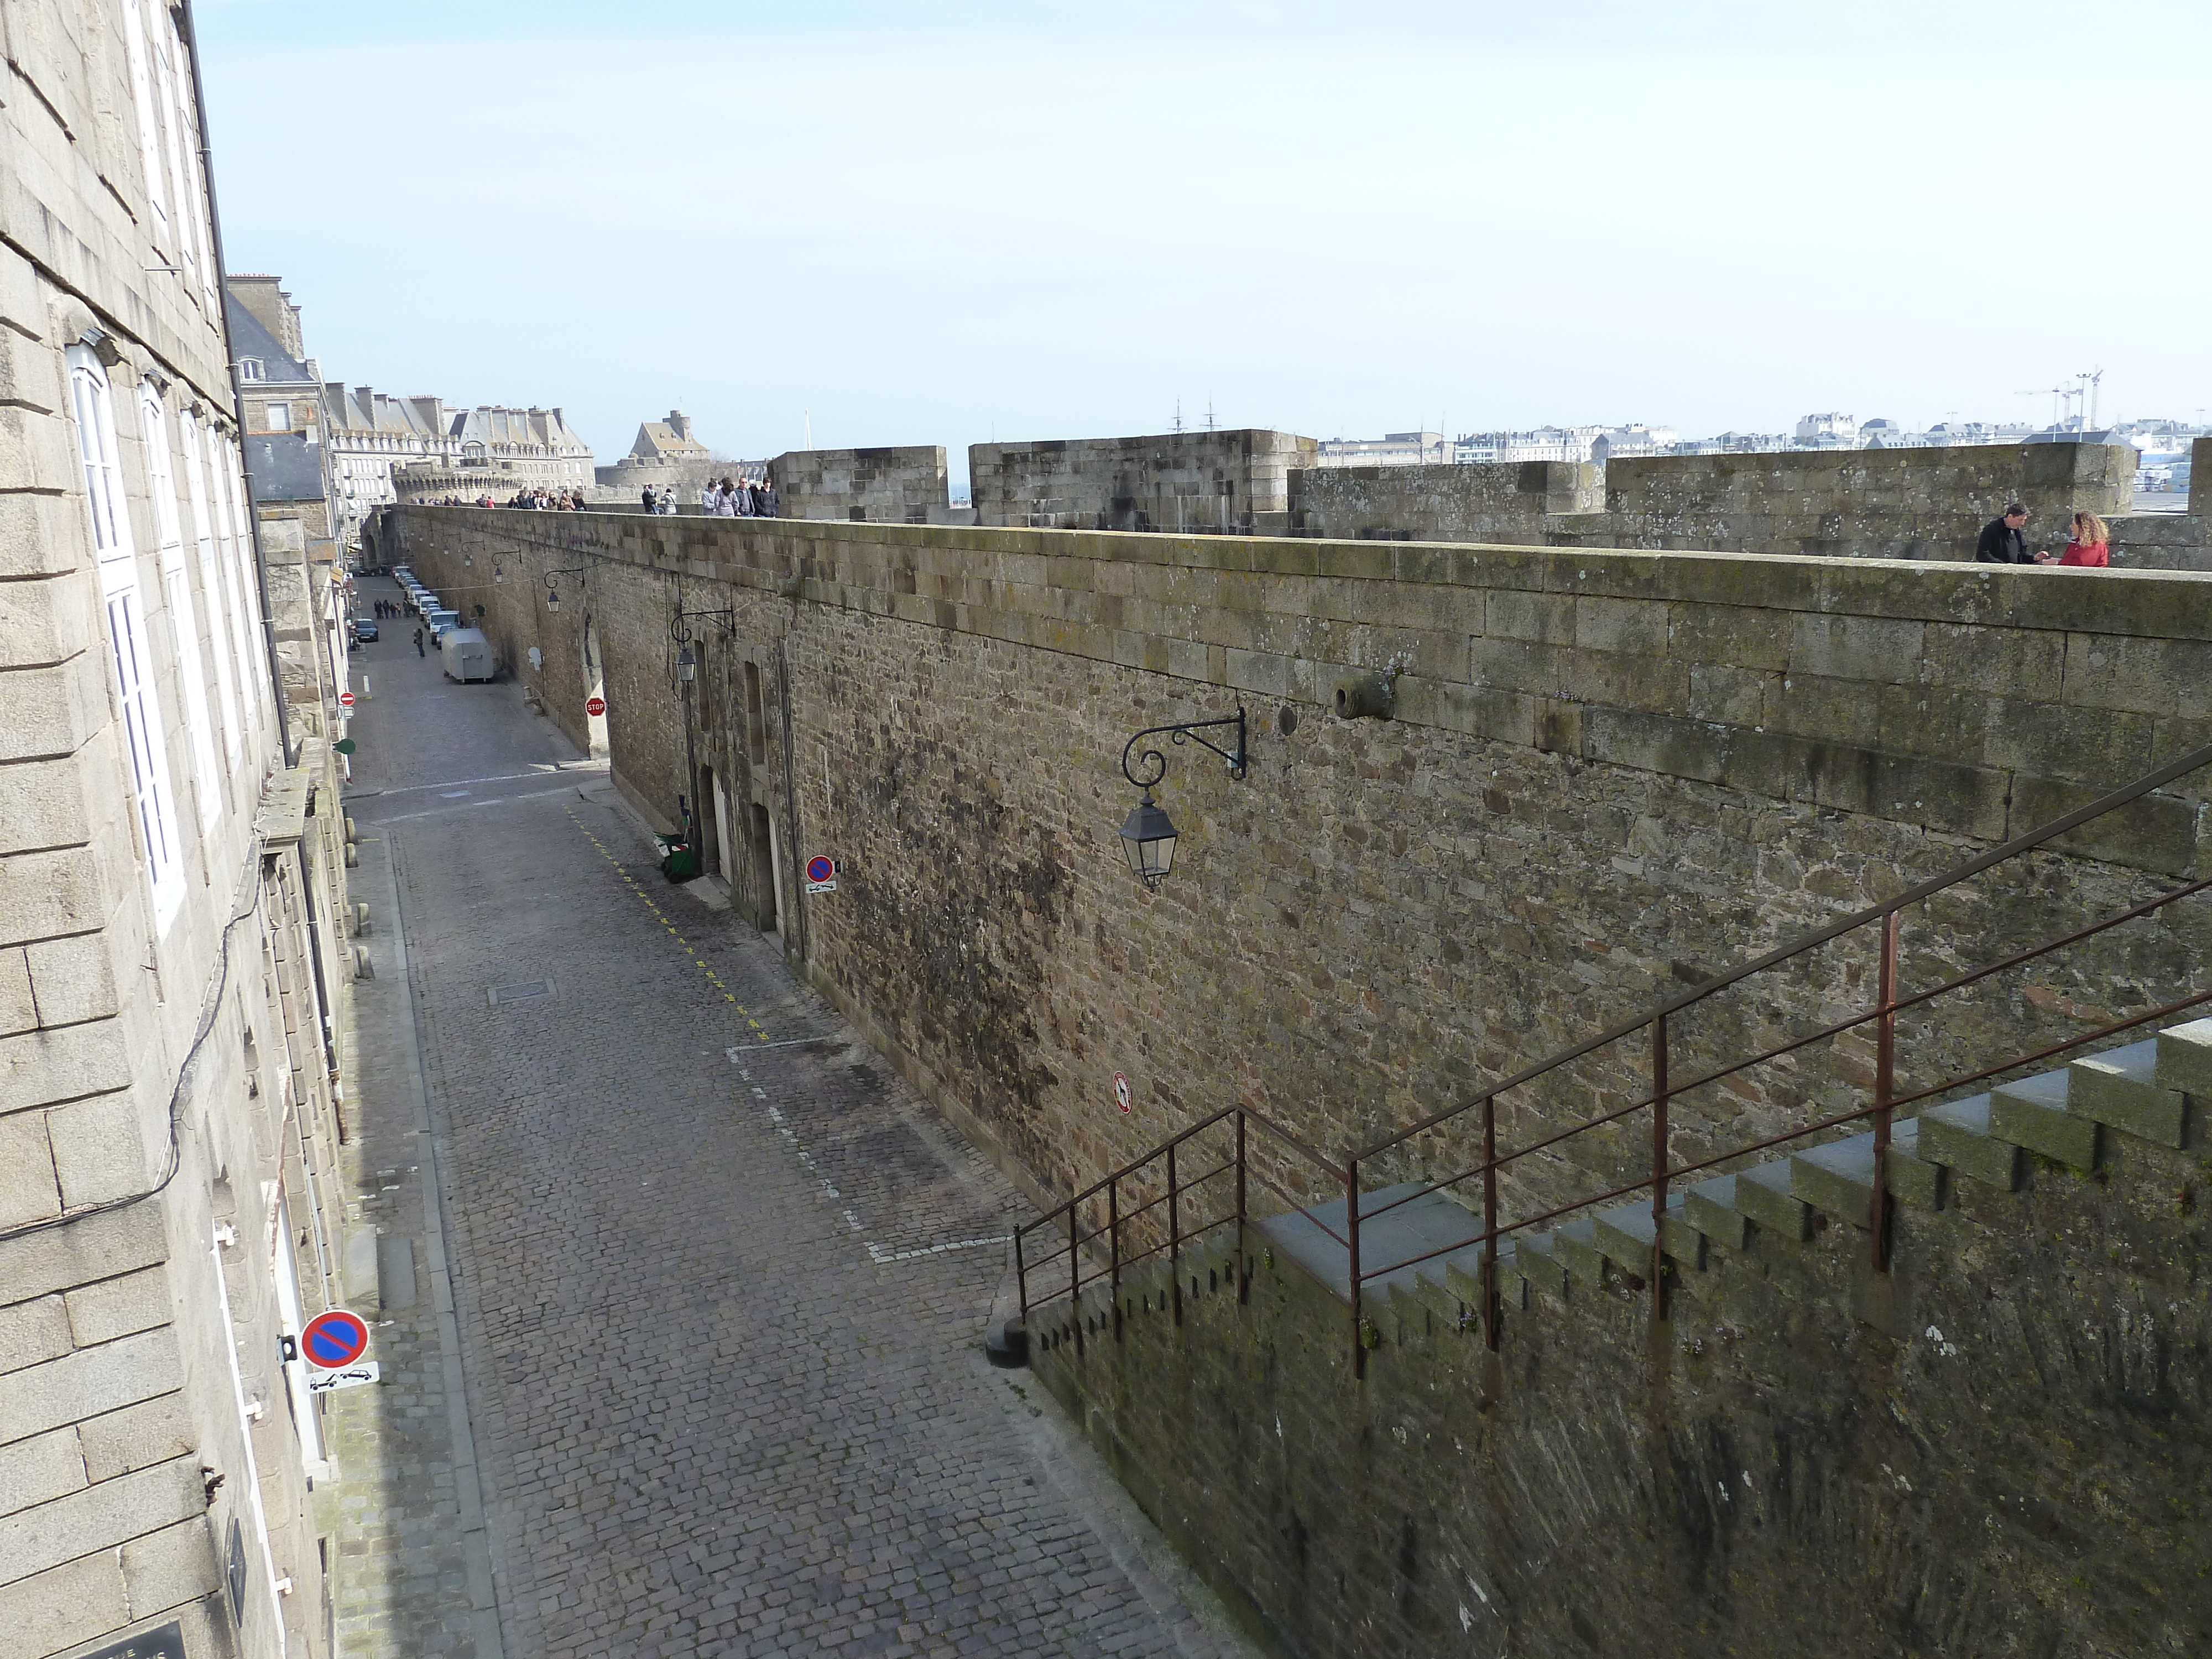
(1065, 1220)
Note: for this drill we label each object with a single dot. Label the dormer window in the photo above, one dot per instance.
(249, 368)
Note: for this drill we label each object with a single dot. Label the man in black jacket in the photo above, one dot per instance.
(2004, 541)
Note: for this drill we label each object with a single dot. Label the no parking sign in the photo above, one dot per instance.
(821, 875)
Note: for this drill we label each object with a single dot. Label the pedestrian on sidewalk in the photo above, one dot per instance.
(2091, 544)
(419, 651)
(2004, 539)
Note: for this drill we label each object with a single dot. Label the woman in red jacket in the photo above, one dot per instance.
(2090, 543)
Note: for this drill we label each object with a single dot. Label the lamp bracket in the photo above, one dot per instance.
(1155, 765)
(727, 617)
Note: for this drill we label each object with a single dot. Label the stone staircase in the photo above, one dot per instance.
(2078, 1116)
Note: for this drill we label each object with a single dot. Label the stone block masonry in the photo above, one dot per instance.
(1609, 772)
(1189, 482)
(877, 486)
(1507, 503)
(1865, 503)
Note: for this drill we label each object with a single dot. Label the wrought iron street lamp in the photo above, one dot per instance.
(1148, 834)
(552, 592)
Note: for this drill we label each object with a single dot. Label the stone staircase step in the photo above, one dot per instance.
(1575, 1240)
(1839, 1178)
(1762, 1192)
(1957, 1135)
(2033, 1113)
(1463, 1278)
(1709, 1207)
(1457, 1311)
(1538, 1264)
(1625, 1235)
(2184, 1059)
(2120, 1089)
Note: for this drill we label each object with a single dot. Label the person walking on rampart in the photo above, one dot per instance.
(2004, 540)
(2091, 544)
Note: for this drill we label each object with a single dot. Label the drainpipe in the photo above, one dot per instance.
(191, 32)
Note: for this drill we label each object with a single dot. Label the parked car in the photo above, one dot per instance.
(441, 621)
(364, 629)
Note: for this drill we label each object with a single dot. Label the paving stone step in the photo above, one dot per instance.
(2120, 1088)
(1709, 1207)
(1463, 1278)
(2033, 1113)
(1625, 1235)
(1762, 1194)
(2185, 1060)
(1539, 1264)
(1837, 1177)
(1957, 1135)
(1576, 1242)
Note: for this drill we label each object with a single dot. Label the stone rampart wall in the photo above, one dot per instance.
(1861, 503)
(1903, 504)
(1609, 772)
(1202, 482)
(876, 486)
(1508, 502)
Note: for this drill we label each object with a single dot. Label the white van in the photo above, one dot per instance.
(466, 654)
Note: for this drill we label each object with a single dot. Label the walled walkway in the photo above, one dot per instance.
(718, 1281)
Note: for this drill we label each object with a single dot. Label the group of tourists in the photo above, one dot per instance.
(732, 496)
(2004, 541)
(739, 498)
(549, 501)
(386, 609)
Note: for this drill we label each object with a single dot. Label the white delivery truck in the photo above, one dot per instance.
(466, 654)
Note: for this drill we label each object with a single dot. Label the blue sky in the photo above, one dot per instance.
(926, 223)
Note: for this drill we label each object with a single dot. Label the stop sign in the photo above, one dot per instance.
(595, 706)
(345, 699)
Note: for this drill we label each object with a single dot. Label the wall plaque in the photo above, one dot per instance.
(166, 1642)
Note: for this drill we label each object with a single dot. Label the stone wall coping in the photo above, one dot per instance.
(2147, 603)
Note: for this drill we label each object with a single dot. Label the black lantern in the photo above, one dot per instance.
(1148, 834)
(686, 668)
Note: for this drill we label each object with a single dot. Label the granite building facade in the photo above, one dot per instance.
(172, 910)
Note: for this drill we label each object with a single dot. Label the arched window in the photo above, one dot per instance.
(249, 368)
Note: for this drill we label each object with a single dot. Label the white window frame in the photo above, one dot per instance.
(184, 619)
(233, 502)
(164, 43)
(249, 369)
(272, 409)
(195, 182)
(130, 652)
(219, 613)
(142, 95)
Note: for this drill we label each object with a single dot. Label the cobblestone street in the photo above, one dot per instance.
(717, 1279)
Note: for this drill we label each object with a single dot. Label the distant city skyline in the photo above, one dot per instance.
(924, 225)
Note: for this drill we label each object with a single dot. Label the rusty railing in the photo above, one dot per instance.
(1200, 1197)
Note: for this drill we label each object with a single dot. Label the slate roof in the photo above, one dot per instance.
(249, 339)
(283, 466)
